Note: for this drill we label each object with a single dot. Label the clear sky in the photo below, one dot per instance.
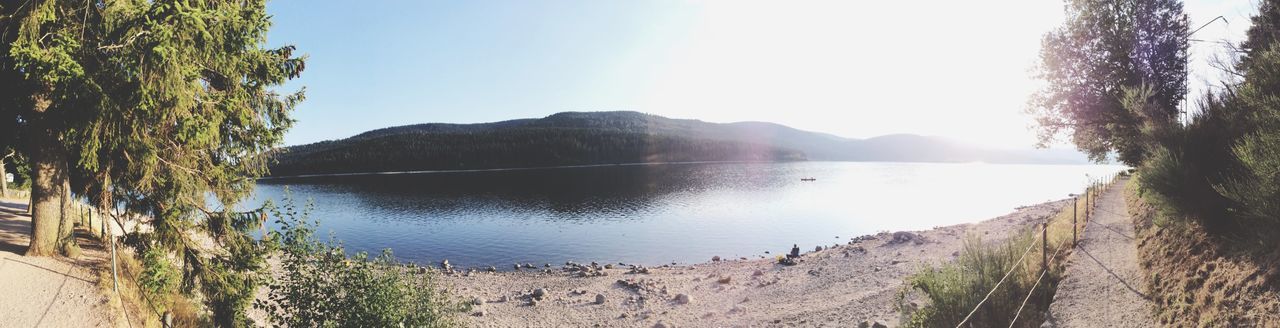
(857, 69)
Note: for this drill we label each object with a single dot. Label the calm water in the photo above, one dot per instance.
(662, 213)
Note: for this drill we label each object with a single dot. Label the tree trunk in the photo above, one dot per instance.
(67, 218)
(4, 180)
(49, 170)
(103, 200)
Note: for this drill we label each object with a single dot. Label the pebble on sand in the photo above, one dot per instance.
(682, 298)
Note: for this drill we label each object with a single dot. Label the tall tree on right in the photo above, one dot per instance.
(1105, 55)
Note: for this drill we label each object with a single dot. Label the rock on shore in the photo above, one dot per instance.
(841, 285)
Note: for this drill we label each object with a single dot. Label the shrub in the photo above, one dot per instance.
(955, 288)
(320, 286)
(158, 279)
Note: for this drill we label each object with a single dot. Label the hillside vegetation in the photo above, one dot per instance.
(1206, 205)
(576, 138)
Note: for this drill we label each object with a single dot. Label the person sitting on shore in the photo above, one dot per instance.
(795, 251)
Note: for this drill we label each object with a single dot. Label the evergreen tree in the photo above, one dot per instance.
(152, 105)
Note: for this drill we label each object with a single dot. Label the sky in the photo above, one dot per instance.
(858, 69)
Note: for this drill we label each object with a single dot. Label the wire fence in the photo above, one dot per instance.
(1093, 190)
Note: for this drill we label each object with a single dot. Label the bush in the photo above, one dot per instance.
(158, 279)
(321, 287)
(954, 289)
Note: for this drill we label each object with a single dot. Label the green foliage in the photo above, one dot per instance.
(321, 286)
(1224, 167)
(159, 278)
(1257, 188)
(954, 289)
(1104, 50)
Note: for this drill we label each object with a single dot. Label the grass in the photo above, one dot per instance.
(137, 306)
(943, 296)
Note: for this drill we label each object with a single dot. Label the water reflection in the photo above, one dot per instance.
(660, 213)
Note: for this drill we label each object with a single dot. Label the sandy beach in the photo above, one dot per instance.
(841, 285)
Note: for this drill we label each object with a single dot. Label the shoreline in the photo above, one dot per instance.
(841, 285)
(558, 167)
(532, 168)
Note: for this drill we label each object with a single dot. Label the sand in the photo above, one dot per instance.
(857, 281)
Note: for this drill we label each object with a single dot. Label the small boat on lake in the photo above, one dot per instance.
(808, 179)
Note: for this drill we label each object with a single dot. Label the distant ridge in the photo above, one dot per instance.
(589, 138)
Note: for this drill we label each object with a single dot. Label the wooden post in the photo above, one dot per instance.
(1074, 240)
(1045, 247)
(115, 281)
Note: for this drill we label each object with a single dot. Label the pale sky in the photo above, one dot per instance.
(858, 69)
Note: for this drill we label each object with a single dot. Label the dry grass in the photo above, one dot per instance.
(138, 308)
(1200, 279)
(955, 288)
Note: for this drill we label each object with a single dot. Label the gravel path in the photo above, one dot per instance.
(1103, 283)
(45, 291)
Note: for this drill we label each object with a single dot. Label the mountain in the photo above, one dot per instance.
(586, 138)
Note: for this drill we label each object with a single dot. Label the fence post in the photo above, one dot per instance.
(1044, 246)
(1088, 194)
(1074, 240)
(115, 282)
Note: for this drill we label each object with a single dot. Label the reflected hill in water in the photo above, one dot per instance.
(566, 191)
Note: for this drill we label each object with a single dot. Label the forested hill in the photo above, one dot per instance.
(582, 138)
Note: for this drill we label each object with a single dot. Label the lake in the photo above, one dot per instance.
(656, 214)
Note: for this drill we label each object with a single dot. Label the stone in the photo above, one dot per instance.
(478, 313)
(682, 298)
(715, 258)
(503, 299)
(608, 266)
(902, 237)
(661, 324)
(444, 265)
(476, 301)
(724, 280)
(877, 324)
(757, 273)
(540, 293)
(817, 248)
(533, 302)
(517, 266)
(599, 298)
(492, 268)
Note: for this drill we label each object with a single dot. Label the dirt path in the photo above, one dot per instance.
(1103, 286)
(42, 291)
(842, 286)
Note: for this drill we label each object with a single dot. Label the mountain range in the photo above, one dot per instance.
(587, 138)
